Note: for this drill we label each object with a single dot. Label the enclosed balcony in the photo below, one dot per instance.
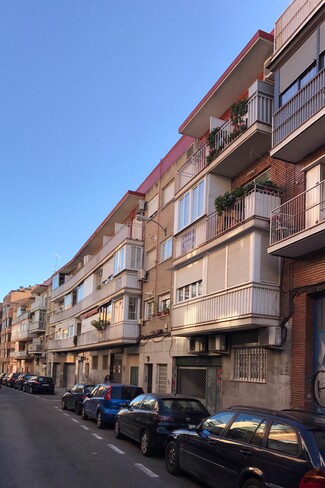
(125, 280)
(21, 335)
(251, 305)
(121, 333)
(20, 354)
(35, 347)
(298, 226)
(299, 125)
(258, 202)
(128, 231)
(236, 146)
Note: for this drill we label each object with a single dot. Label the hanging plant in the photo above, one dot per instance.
(99, 324)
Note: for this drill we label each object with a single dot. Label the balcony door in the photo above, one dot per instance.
(315, 195)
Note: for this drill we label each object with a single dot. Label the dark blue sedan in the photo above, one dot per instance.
(247, 447)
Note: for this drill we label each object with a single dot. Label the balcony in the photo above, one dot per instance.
(236, 149)
(37, 326)
(121, 333)
(258, 202)
(21, 336)
(19, 355)
(249, 306)
(299, 125)
(129, 231)
(298, 226)
(292, 19)
(35, 347)
(37, 304)
(122, 281)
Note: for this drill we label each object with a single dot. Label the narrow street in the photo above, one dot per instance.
(43, 446)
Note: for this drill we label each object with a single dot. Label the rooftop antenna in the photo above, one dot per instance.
(56, 261)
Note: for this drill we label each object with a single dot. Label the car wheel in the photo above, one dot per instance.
(146, 444)
(30, 389)
(64, 405)
(253, 483)
(83, 414)
(77, 408)
(172, 458)
(117, 431)
(100, 423)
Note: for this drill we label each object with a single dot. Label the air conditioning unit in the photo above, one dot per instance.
(142, 275)
(217, 343)
(270, 336)
(141, 206)
(198, 345)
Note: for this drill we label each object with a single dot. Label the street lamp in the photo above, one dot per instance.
(143, 218)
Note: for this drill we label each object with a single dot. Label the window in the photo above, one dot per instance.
(283, 438)
(132, 310)
(136, 253)
(166, 249)
(216, 424)
(191, 206)
(189, 291)
(118, 310)
(119, 260)
(250, 364)
(149, 309)
(162, 378)
(68, 301)
(149, 403)
(94, 362)
(70, 330)
(244, 427)
(168, 193)
(299, 83)
(105, 312)
(80, 292)
(164, 303)
(153, 206)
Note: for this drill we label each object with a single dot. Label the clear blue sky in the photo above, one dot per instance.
(92, 95)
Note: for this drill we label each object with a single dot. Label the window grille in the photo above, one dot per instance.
(250, 364)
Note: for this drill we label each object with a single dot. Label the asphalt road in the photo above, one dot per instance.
(42, 446)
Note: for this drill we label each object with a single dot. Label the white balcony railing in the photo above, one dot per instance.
(259, 109)
(128, 231)
(123, 280)
(302, 212)
(305, 104)
(292, 18)
(244, 301)
(258, 202)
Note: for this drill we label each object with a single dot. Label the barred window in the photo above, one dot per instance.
(250, 364)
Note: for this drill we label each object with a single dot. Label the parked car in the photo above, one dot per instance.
(104, 402)
(20, 381)
(150, 417)
(2, 377)
(11, 379)
(252, 448)
(74, 397)
(39, 384)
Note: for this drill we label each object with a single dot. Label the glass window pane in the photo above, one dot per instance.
(283, 438)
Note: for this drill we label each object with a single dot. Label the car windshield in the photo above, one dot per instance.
(88, 388)
(182, 405)
(319, 435)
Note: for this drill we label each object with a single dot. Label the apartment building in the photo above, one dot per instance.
(11, 303)
(298, 225)
(95, 303)
(226, 298)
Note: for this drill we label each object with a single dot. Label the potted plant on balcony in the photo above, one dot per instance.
(238, 110)
(99, 324)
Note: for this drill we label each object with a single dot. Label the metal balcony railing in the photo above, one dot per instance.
(259, 109)
(301, 107)
(298, 214)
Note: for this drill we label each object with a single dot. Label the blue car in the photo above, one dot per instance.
(104, 401)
